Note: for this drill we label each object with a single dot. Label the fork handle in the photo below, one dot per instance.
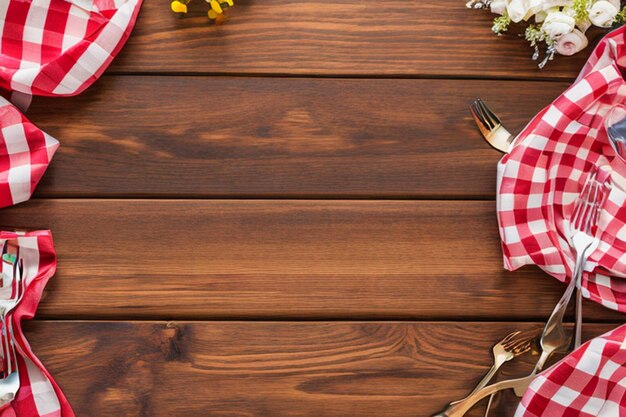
(483, 382)
(579, 320)
(489, 405)
(578, 276)
(459, 409)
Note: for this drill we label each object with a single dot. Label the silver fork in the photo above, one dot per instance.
(527, 341)
(584, 240)
(554, 337)
(491, 127)
(512, 346)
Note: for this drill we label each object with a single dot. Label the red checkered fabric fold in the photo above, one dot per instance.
(548, 164)
(590, 382)
(25, 152)
(60, 47)
(39, 395)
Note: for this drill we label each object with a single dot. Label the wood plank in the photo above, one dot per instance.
(262, 137)
(284, 259)
(265, 369)
(352, 37)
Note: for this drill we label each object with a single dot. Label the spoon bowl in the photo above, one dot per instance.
(615, 124)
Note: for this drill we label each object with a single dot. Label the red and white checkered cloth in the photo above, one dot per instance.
(60, 47)
(51, 48)
(538, 183)
(39, 395)
(590, 382)
(548, 164)
(25, 152)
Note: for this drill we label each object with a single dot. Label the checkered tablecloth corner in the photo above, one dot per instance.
(542, 176)
(39, 394)
(590, 382)
(60, 47)
(25, 152)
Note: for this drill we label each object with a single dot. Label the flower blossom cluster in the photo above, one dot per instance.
(560, 25)
(215, 13)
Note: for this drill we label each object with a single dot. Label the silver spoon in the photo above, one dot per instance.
(615, 124)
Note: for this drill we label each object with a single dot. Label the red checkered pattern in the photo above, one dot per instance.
(39, 395)
(25, 152)
(60, 47)
(542, 176)
(590, 382)
(51, 48)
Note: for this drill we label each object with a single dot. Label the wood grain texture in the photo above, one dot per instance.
(284, 259)
(164, 124)
(353, 37)
(265, 369)
(134, 136)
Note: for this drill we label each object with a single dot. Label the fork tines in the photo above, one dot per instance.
(520, 341)
(490, 126)
(588, 207)
(484, 116)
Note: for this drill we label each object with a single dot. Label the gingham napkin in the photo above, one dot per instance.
(39, 395)
(25, 152)
(60, 47)
(50, 48)
(590, 382)
(538, 184)
(542, 176)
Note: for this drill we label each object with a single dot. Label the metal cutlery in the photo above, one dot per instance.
(533, 345)
(585, 215)
(585, 239)
(518, 385)
(615, 124)
(459, 409)
(554, 337)
(512, 346)
(491, 127)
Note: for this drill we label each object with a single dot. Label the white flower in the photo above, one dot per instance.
(517, 10)
(499, 6)
(616, 3)
(558, 24)
(602, 13)
(571, 43)
(534, 7)
(540, 17)
(570, 11)
(549, 4)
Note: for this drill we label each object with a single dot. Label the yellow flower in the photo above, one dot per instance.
(219, 18)
(178, 7)
(216, 7)
(215, 13)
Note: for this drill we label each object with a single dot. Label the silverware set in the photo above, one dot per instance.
(509, 348)
(12, 290)
(584, 237)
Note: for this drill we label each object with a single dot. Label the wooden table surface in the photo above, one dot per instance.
(291, 214)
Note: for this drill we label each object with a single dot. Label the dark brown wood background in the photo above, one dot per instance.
(291, 214)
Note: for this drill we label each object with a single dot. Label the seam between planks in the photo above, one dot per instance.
(452, 77)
